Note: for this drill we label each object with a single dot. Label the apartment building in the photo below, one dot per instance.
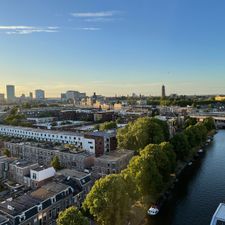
(105, 141)
(63, 137)
(19, 169)
(33, 152)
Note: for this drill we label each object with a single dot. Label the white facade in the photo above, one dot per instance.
(40, 175)
(63, 137)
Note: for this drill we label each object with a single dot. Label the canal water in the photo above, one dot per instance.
(199, 191)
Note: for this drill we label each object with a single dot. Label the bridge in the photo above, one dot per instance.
(219, 118)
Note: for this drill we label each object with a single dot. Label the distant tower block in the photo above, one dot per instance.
(163, 91)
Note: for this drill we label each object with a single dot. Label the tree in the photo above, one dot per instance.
(169, 151)
(143, 169)
(96, 126)
(107, 126)
(193, 136)
(202, 131)
(136, 135)
(71, 216)
(209, 123)
(164, 126)
(190, 121)
(6, 152)
(109, 201)
(181, 146)
(56, 163)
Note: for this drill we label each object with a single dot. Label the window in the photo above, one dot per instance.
(34, 176)
(50, 214)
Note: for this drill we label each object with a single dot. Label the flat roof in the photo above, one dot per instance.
(23, 163)
(42, 167)
(110, 133)
(72, 173)
(115, 155)
(28, 129)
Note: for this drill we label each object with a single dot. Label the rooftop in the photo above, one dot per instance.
(48, 190)
(40, 168)
(116, 155)
(22, 163)
(109, 133)
(18, 205)
(28, 129)
(72, 173)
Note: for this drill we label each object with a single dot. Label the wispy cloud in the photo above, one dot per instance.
(28, 29)
(100, 19)
(90, 28)
(94, 14)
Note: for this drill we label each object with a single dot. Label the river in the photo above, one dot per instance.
(199, 191)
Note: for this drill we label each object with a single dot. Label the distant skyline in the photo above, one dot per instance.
(113, 47)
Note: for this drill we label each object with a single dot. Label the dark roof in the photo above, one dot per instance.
(85, 180)
(74, 184)
(18, 205)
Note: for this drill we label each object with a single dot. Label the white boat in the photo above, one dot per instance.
(200, 150)
(219, 216)
(190, 163)
(153, 210)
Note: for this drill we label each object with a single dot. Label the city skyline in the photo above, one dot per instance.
(28, 93)
(113, 47)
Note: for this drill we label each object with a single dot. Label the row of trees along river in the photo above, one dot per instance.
(124, 198)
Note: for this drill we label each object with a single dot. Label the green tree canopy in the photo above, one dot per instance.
(143, 169)
(109, 201)
(209, 123)
(181, 146)
(190, 121)
(168, 149)
(71, 216)
(193, 136)
(107, 126)
(56, 163)
(6, 152)
(136, 135)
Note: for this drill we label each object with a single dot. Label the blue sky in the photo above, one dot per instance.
(113, 46)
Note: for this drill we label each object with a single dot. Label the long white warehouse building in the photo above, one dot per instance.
(63, 137)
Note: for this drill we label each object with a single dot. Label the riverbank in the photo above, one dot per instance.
(138, 212)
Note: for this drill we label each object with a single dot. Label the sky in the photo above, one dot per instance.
(113, 46)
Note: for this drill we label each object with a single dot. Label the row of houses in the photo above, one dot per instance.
(43, 192)
(95, 142)
(112, 162)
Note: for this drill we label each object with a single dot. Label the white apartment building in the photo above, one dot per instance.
(40, 173)
(63, 137)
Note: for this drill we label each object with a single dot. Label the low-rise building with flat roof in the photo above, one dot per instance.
(112, 162)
